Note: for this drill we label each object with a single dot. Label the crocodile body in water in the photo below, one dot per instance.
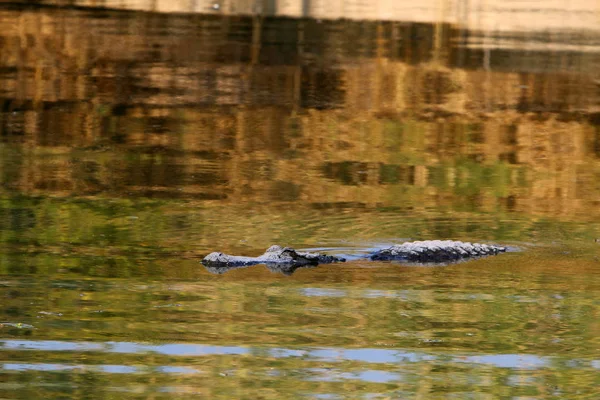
(420, 252)
(274, 255)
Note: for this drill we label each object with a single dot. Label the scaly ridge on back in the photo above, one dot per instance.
(435, 251)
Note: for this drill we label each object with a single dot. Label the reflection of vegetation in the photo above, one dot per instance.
(438, 164)
(299, 334)
(91, 235)
(471, 178)
(119, 169)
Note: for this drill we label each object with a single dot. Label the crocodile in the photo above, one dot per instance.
(274, 255)
(425, 252)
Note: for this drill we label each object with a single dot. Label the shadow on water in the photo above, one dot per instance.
(134, 142)
(285, 269)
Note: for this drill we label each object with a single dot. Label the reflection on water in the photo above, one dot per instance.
(330, 355)
(526, 323)
(134, 143)
(275, 268)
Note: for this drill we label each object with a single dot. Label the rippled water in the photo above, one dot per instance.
(135, 142)
(519, 323)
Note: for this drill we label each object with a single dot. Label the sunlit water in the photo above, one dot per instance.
(134, 143)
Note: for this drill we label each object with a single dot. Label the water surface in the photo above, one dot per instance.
(134, 143)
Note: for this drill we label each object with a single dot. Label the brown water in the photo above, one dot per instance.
(133, 143)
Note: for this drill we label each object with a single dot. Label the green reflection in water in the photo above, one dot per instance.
(132, 144)
(487, 327)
